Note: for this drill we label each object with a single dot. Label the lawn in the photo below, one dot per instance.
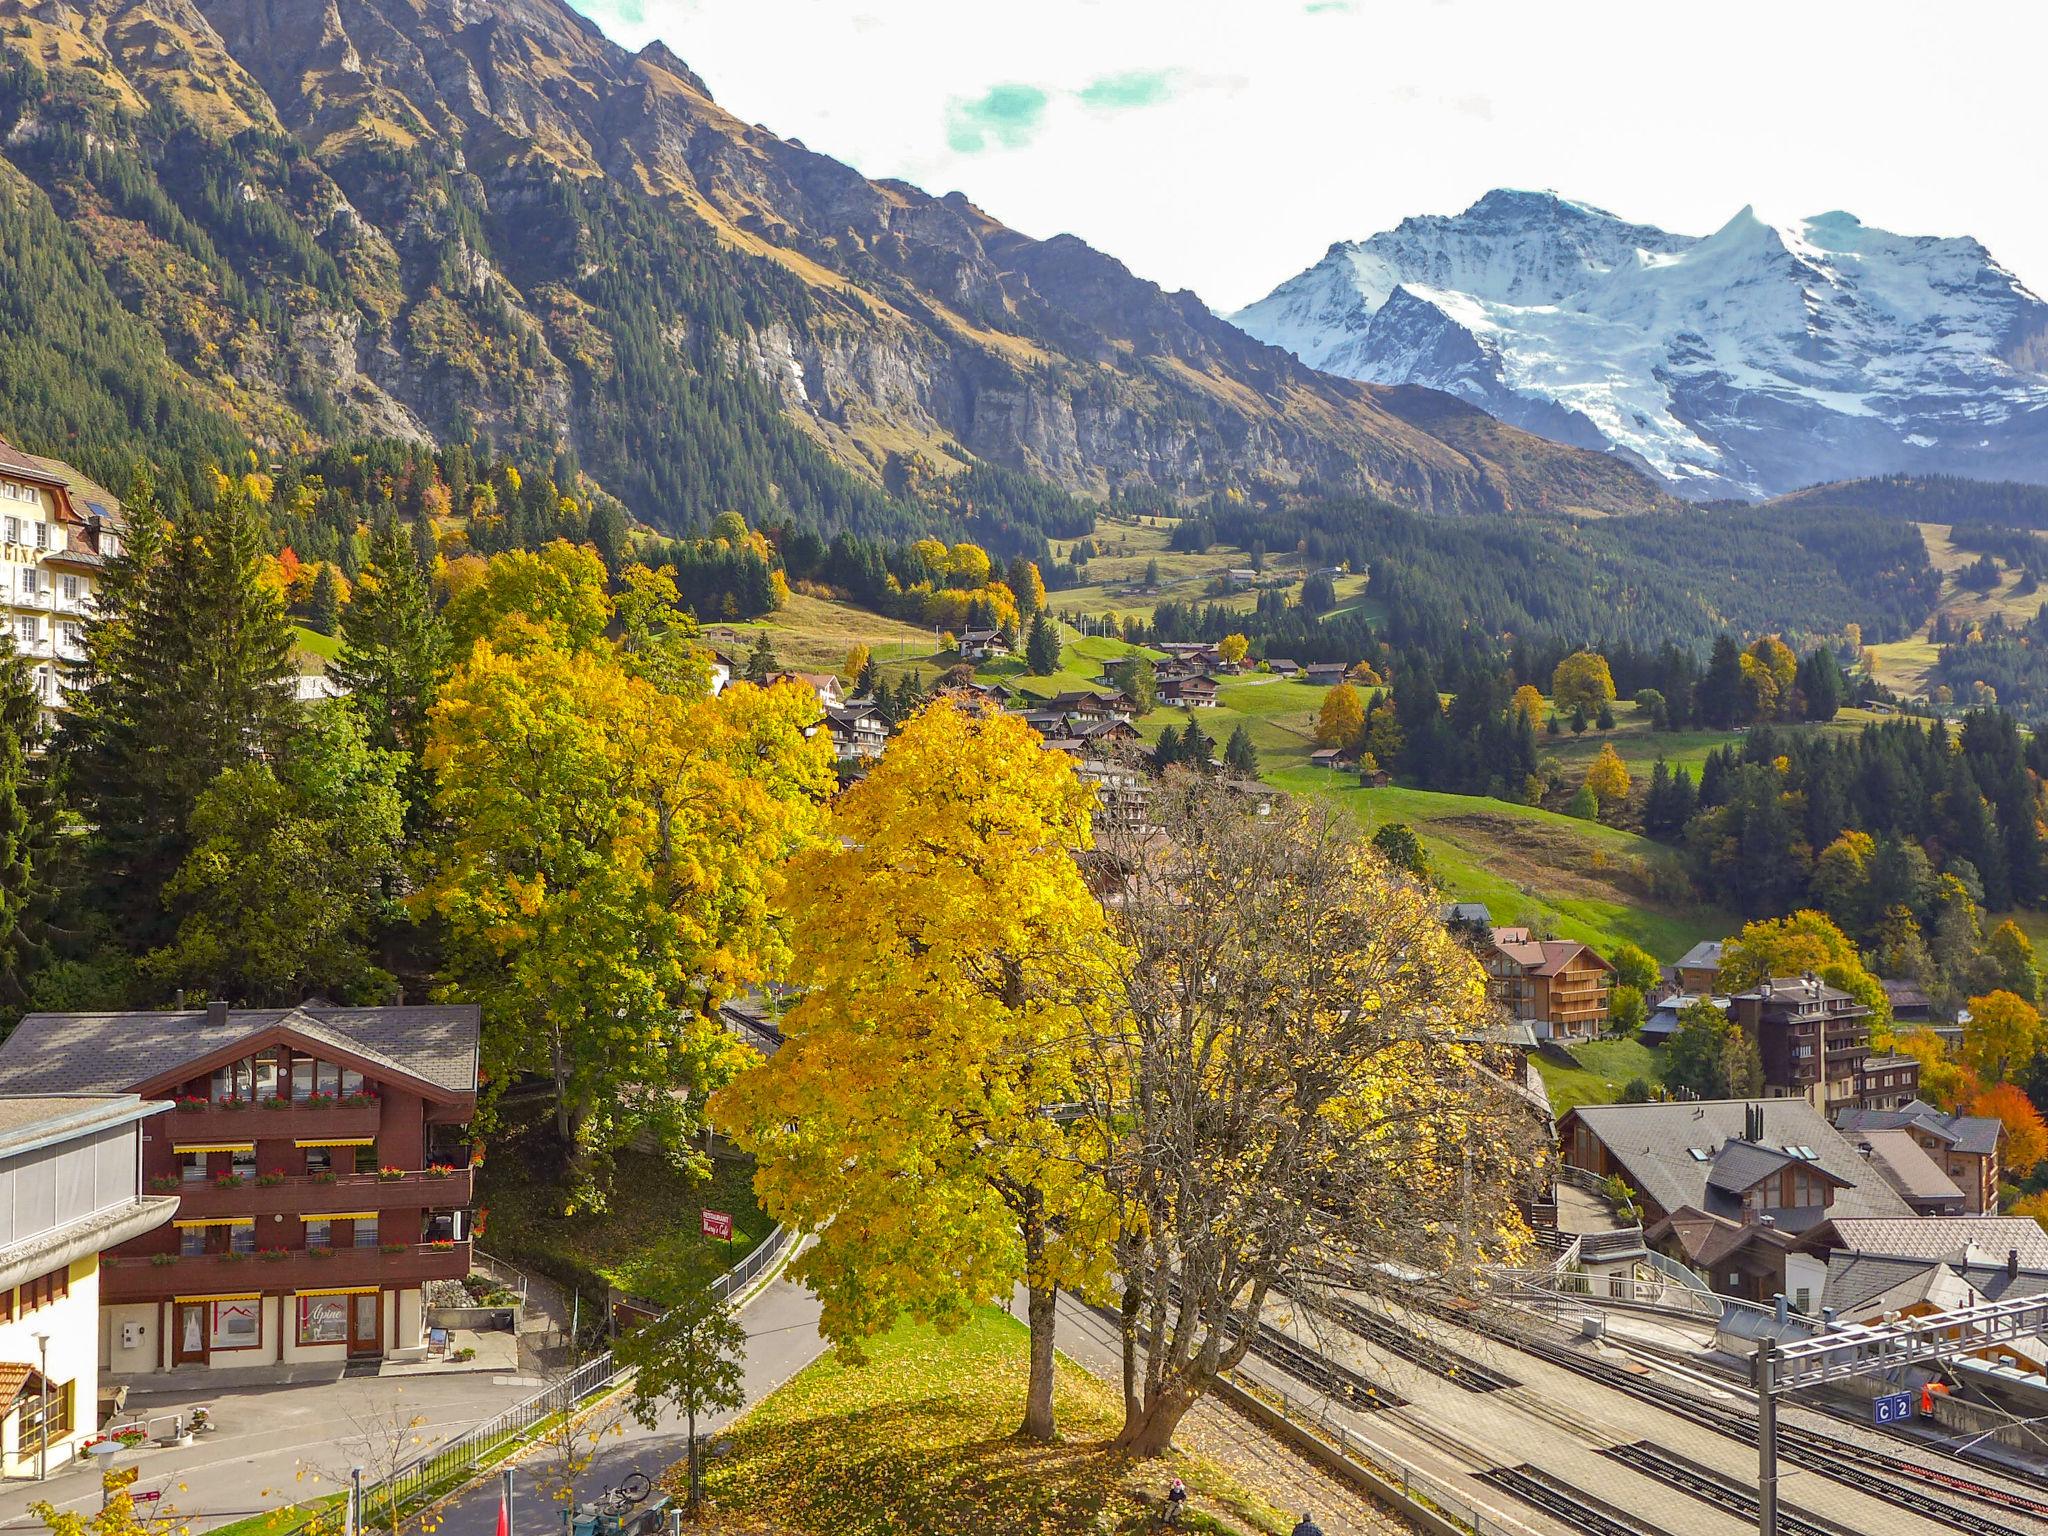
(1532, 867)
(921, 1438)
(651, 1221)
(813, 634)
(1605, 1068)
(319, 647)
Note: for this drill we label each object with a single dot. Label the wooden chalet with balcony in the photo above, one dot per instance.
(1557, 986)
(322, 1165)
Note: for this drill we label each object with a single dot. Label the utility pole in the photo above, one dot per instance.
(1767, 1439)
(43, 1438)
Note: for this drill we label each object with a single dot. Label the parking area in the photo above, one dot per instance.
(276, 1444)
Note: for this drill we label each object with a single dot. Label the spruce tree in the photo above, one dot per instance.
(323, 609)
(393, 645)
(1241, 757)
(188, 673)
(1042, 650)
(25, 828)
(761, 662)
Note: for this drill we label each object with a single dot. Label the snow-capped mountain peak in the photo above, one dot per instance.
(1761, 357)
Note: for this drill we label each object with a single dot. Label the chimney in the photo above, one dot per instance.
(2012, 1263)
(217, 1013)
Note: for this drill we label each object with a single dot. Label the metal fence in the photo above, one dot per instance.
(453, 1463)
(1419, 1487)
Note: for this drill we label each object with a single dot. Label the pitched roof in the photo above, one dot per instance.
(1741, 1165)
(1541, 957)
(1703, 955)
(1972, 1135)
(1961, 1239)
(115, 1052)
(1906, 1167)
(1655, 1145)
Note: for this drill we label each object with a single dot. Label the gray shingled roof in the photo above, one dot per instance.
(1654, 1145)
(1739, 1164)
(1973, 1135)
(1702, 956)
(114, 1052)
(1907, 1167)
(1947, 1237)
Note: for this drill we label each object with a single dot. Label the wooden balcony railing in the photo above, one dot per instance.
(216, 1123)
(130, 1278)
(310, 1195)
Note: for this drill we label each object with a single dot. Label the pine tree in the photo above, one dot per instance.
(188, 673)
(1042, 649)
(1241, 757)
(26, 819)
(761, 662)
(393, 645)
(323, 609)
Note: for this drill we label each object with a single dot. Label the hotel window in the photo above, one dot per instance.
(192, 1167)
(70, 589)
(13, 525)
(244, 1162)
(44, 1426)
(237, 1324)
(366, 1232)
(42, 535)
(302, 1077)
(29, 583)
(323, 1319)
(267, 1073)
(320, 1160)
(319, 1234)
(351, 1080)
(28, 629)
(242, 1237)
(191, 1242)
(232, 1081)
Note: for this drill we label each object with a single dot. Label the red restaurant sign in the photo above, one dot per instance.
(717, 1224)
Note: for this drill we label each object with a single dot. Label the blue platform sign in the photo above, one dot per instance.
(1896, 1408)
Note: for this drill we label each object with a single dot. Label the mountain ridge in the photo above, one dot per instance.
(1750, 361)
(483, 218)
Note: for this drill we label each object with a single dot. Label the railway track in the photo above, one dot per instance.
(1716, 1488)
(1925, 1491)
(1570, 1506)
(1459, 1370)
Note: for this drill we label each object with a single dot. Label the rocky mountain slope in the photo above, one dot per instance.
(1748, 362)
(309, 219)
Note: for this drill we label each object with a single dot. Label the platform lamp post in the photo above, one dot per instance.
(43, 1437)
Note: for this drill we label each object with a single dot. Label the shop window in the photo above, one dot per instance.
(236, 1324)
(323, 1319)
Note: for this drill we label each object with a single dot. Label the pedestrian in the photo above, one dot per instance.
(1307, 1526)
(1176, 1501)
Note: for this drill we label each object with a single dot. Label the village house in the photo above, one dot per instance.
(1557, 985)
(1698, 970)
(1906, 1166)
(1812, 1038)
(1281, 666)
(1333, 757)
(1866, 1270)
(1108, 761)
(1323, 674)
(1662, 1023)
(983, 645)
(322, 1163)
(1726, 1186)
(70, 1186)
(58, 529)
(1965, 1146)
(858, 731)
(1198, 692)
(1887, 1082)
(723, 670)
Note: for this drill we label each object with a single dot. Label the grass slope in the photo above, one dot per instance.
(813, 634)
(921, 1438)
(1604, 1069)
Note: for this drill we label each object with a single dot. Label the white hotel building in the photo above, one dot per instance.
(57, 531)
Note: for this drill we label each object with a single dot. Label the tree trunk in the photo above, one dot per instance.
(1150, 1432)
(1134, 1398)
(1041, 1308)
(696, 1488)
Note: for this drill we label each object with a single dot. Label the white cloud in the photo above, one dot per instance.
(1293, 124)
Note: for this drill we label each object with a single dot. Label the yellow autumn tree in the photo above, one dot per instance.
(1528, 703)
(856, 663)
(1341, 721)
(610, 869)
(1608, 778)
(1232, 648)
(1582, 681)
(2003, 1036)
(951, 958)
(1792, 946)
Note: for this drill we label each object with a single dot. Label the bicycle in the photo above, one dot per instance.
(629, 1493)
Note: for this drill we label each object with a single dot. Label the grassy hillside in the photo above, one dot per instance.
(1127, 550)
(1604, 1068)
(813, 634)
(921, 1438)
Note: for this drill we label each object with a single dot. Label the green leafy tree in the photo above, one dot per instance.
(1400, 847)
(1634, 966)
(1626, 1011)
(1138, 680)
(283, 895)
(1698, 1058)
(686, 1361)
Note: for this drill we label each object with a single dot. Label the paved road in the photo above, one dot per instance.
(782, 1338)
(267, 1435)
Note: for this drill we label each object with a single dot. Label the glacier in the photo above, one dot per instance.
(1748, 362)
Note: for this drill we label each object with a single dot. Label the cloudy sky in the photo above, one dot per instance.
(1221, 145)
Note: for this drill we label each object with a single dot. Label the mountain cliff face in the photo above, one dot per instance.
(444, 218)
(1749, 362)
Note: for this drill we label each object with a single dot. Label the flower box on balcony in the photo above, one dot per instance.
(320, 1253)
(358, 1100)
(162, 1260)
(166, 1186)
(231, 1257)
(274, 1102)
(191, 1106)
(391, 1247)
(272, 1255)
(440, 1171)
(325, 1176)
(444, 1244)
(317, 1101)
(233, 1106)
(270, 1180)
(228, 1181)
(390, 1175)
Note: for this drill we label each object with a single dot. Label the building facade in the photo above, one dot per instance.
(57, 531)
(321, 1161)
(1557, 986)
(1813, 1039)
(70, 1185)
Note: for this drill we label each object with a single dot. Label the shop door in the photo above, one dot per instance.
(189, 1341)
(365, 1311)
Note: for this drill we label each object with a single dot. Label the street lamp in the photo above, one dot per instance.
(43, 1438)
